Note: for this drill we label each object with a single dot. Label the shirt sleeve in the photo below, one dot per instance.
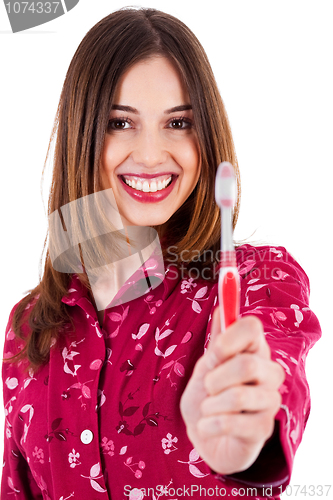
(275, 288)
(17, 480)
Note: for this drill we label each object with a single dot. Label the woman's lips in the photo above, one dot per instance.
(150, 197)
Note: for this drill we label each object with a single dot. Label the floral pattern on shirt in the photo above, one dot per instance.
(102, 419)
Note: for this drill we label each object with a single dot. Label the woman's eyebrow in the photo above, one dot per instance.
(129, 109)
(183, 107)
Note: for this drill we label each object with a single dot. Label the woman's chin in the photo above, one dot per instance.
(145, 221)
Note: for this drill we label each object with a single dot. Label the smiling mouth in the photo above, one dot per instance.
(148, 186)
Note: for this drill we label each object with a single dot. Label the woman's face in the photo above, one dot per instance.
(151, 156)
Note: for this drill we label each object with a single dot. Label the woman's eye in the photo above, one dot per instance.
(119, 124)
(180, 124)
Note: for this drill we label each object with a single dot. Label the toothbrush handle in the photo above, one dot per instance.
(228, 290)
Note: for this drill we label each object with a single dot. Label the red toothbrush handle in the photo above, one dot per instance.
(228, 296)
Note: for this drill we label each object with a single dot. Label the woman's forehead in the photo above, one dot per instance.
(154, 81)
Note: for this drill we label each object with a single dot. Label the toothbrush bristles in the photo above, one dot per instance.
(225, 185)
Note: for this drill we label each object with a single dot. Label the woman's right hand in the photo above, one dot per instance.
(232, 397)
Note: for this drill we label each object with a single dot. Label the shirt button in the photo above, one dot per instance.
(86, 436)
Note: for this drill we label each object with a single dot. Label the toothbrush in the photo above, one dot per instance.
(228, 285)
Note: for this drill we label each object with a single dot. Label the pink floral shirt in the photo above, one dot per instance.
(101, 420)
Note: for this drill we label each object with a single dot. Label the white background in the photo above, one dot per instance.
(273, 64)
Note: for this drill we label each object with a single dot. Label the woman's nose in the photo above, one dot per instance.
(149, 149)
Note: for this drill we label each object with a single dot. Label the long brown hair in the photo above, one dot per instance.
(118, 41)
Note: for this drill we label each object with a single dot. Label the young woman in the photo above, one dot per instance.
(142, 397)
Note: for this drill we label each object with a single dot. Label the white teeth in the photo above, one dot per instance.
(147, 187)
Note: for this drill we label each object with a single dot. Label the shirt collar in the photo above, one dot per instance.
(162, 278)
